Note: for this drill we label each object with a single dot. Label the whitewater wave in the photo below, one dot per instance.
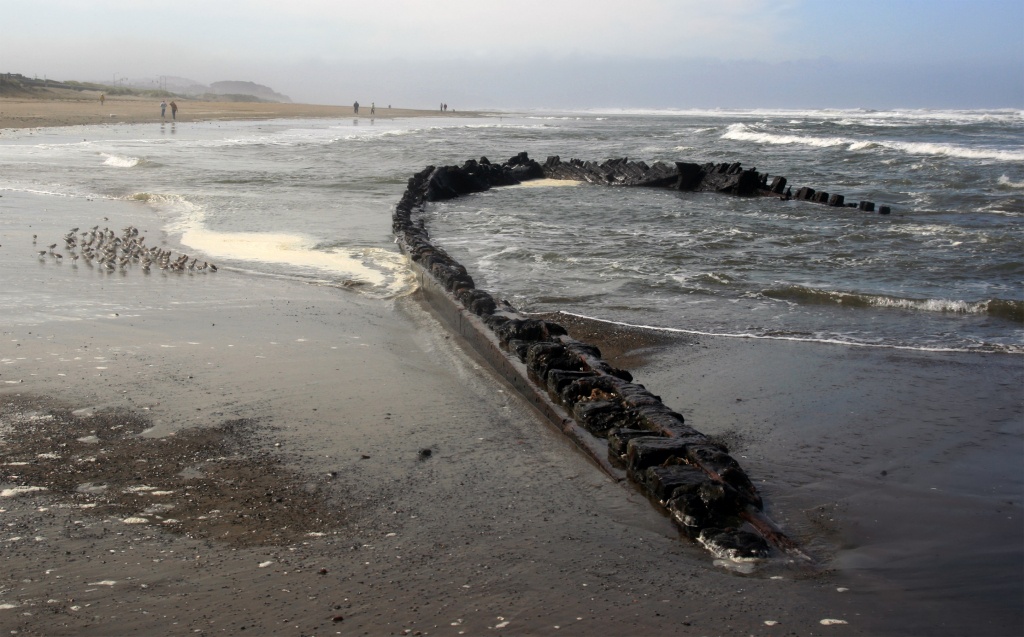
(1012, 310)
(121, 162)
(1006, 182)
(158, 199)
(744, 132)
(861, 116)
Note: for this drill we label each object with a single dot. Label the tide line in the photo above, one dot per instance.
(771, 337)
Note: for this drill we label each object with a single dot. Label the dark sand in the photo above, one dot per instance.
(887, 466)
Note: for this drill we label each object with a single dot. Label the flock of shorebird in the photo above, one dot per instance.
(112, 252)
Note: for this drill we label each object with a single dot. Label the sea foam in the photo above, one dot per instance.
(1006, 182)
(743, 132)
(121, 162)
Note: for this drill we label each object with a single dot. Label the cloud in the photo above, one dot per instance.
(536, 52)
(265, 29)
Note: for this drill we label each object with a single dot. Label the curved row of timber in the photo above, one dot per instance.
(625, 428)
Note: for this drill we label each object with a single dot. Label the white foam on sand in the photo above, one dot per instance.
(371, 270)
(384, 270)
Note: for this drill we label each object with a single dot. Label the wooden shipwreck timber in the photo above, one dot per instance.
(621, 425)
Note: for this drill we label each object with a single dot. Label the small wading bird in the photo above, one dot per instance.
(114, 252)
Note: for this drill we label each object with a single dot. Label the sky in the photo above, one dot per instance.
(542, 54)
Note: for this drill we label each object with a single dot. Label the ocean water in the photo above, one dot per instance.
(312, 199)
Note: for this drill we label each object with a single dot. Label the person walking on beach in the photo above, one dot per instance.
(174, 110)
(103, 98)
(163, 108)
(355, 108)
(373, 108)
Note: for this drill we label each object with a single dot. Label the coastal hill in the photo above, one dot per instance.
(264, 93)
(15, 85)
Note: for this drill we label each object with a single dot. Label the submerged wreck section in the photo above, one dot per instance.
(725, 178)
(622, 426)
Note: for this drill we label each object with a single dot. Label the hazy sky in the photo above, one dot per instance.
(543, 53)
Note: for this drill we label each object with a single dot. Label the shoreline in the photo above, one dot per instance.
(504, 526)
(22, 112)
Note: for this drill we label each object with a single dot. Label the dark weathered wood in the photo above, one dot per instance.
(609, 416)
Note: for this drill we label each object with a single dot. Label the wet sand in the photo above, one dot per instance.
(909, 499)
(22, 112)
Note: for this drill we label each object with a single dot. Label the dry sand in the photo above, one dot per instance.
(22, 112)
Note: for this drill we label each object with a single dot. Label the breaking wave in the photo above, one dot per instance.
(1012, 310)
(744, 132)
(1006, 182)
(121, 162)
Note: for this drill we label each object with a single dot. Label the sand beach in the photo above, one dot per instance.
(227, 453)
(28, 112)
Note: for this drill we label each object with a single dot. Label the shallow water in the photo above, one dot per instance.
(943, 272)
(310, 198)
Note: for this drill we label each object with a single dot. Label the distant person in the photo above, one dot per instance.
(103, 98)
(373, 108)
(174, 110)
(163, 108)
(355, 108)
